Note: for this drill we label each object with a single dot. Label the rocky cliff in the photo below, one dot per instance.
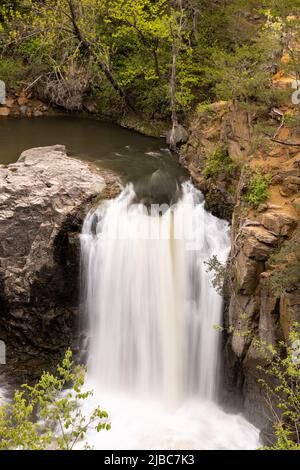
(253, 311)
(44, 197)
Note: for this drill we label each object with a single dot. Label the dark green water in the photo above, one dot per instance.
(132, 155)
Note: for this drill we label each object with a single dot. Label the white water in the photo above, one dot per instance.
(154, 353)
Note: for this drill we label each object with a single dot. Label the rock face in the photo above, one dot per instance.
(43, 200)
(219, 123)
(20, 104)
(181, 135)
(253, 311)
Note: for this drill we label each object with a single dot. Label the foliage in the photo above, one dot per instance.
(257, 188)
(218, 162)
(121, 51)
(281, 383)
(244, 75)
(127, 43)
(218, 270)
(286, 263)
(12, 71)
(48, 415)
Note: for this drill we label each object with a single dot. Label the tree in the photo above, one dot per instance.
(67, 35)
(48, 415)
(178, 27)
(157, 58)
(140, 47)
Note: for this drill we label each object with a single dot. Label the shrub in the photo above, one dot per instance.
(48, 415)
(219, 162)
(257, 191)
(12, 71)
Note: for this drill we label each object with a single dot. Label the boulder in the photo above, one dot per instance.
(289, 311)
(279, 223)
(4, 111)
(181, 135)
(243, 312)
(44, 197)
(247, 273)
(256, 243)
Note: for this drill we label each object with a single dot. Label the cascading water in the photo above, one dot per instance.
(154, 352)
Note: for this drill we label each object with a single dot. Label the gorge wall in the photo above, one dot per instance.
(44, 198)
(252, 311)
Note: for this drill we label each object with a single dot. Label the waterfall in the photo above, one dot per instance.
(151, 310)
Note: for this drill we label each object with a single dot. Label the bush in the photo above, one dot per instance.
(48, 414)
(218, 162)
(12, 72)
(257, 191)
(218, 271)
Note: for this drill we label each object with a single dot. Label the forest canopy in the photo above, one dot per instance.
(154, 57)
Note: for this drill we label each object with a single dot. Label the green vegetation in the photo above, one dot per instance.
(219, 271)
(159, 59)
(281, 383)
(48, 415)
(286, 275)
(257, 189)
(219, 162)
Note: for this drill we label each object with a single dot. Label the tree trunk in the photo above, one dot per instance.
(173, 98)
(87, 47)
(116, 86)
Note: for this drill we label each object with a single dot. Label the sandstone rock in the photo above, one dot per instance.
(22, 99)
(289, 311)
(220, 106)
(291, 185)
(268, 314)
(23, 110)
(278, 223)
(43, 200)
(4, 111)
(243, 313)
(10, 102)
(252, 311)
(181, 135)
(90, 106)
(247, 273)
(296, 203)
(264, 236)
(221, 124)
(37, 113)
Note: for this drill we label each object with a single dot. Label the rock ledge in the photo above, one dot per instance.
(44, 197)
